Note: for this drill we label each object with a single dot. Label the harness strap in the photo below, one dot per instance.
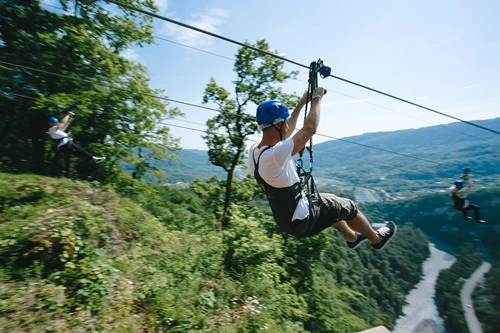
(283, 202)
(294, 191)
(59, 142)
(256, 164)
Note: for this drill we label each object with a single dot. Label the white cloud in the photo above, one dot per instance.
(162, 5)
(207, 21)
(130, 54)
(467, 87)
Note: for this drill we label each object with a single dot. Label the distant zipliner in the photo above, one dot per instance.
(63, 141)
(459, 192)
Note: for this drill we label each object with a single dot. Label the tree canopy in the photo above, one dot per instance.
(258, 77)
(50, 59)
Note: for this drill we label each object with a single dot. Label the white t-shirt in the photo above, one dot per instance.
(462, 194)
(56, 134)
(277, 168)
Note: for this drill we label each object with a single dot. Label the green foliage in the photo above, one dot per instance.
(88, 252)
(435, 215)
(189, 164)
(211, 192)
(382, 278)
(334, 307)
(449, 284)
(117, 110)
(176, 207)
(257, 77)
(454, 146)
(487, 297)
(136, 257)
(340, 166)
(79, 256)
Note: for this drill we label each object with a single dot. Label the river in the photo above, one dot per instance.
(420, 314)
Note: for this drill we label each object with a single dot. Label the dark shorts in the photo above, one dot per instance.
(333, 209)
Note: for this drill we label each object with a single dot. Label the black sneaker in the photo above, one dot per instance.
(386, 232)
(467, 218)
(480, 221)
(355, 243)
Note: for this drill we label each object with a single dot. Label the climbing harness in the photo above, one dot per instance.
(68, 137)
(306, 178)
(284, 201)
(60, 146)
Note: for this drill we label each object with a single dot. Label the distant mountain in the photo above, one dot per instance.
(384, 161)
(426, 158)
(192, 164)
(418, 142)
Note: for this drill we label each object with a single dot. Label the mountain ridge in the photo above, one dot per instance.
(451, 147)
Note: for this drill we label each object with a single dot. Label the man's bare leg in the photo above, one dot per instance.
(348, 233)
(361, 224)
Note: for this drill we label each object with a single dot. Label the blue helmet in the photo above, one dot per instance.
(459, 182)
(271, 112)
(53, 120)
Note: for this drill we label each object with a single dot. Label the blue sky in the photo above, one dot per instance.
(442, 54)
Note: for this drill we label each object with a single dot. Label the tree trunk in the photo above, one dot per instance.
(38, 155)
(227, 197)
(229, 184)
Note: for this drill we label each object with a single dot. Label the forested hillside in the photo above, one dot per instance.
(441, 154)
(434, 214)
(487, 298)
(139, 258)
(115, 247)
(348, 164)
(189, 165)
(473, 242)
(449, 286)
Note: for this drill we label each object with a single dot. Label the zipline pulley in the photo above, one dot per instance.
(318, 67)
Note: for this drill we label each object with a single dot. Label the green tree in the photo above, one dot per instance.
(258, 74)
(51, 59)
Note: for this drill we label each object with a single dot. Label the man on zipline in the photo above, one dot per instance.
(272, 163)
(57, 131)
(459, 192)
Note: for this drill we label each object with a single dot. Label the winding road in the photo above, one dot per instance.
(466, 299)
(421, 314)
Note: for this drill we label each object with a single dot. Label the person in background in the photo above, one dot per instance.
(459, 192)
(273, 166)
(57, 132)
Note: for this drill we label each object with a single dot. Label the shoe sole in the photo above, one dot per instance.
(388, 241)
(354, 248)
